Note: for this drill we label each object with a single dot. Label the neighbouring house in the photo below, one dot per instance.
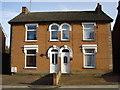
(116, 43)
(3, 39)
(65, 41)
(4, 57)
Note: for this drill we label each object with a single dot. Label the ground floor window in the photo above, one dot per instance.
(89, 58)
(89, 55)
(31, 58)
(30, 55)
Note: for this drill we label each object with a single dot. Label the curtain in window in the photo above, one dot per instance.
(89, 60)
(65, 34)
(88, 34)
(31, 61)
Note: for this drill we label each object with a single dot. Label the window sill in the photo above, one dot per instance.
(53, 40)
(31, 41)
(30, 67)
(89, 67)
(89, 40)
(65, 40)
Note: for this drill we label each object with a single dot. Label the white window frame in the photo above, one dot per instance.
(64, 30)
(30, 47)
(84, 47)
(88, 23)
(53, 30)
(26, 25)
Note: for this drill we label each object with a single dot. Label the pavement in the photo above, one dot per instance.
(78, 82)
(64, 86)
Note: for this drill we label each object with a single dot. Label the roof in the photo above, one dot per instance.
(83, 16)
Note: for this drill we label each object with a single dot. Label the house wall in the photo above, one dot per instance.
(102, 40)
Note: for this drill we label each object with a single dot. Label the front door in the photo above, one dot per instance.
(65, 62)
(54, 62)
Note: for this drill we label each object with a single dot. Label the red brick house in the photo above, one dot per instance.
(3, 39)
(65, 41)
(116, 43)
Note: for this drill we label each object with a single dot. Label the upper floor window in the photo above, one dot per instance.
(88, 31)
(54, 28)
(65, 29)
(31, 30)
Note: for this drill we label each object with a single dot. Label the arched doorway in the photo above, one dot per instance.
(53, 54)
(66, 53)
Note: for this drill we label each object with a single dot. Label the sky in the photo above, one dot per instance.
(9, 10)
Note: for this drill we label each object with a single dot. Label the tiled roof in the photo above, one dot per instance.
(82, 16)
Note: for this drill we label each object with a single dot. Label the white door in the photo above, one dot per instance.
(54, 62)
(65, 62)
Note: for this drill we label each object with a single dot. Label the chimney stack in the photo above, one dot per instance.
(98, 8)
(25, 10)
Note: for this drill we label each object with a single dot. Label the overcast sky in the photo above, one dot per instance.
(8, 10)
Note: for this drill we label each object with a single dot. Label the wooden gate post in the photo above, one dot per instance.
(56, 78)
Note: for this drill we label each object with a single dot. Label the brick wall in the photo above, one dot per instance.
(102, 39)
